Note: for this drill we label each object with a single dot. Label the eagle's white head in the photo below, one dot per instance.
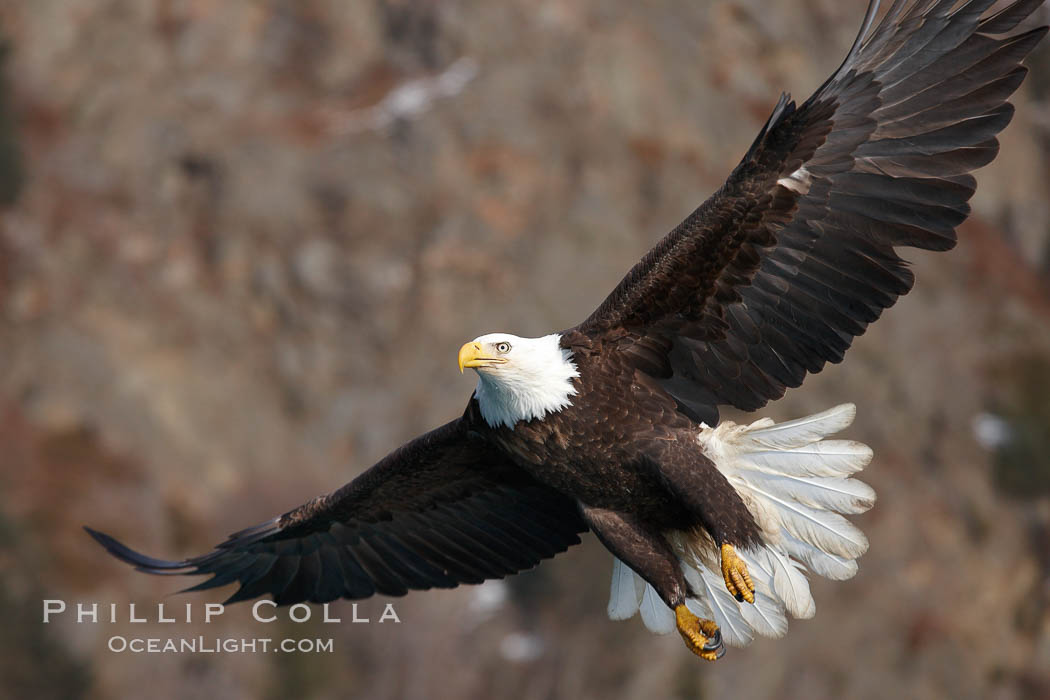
(519, 378)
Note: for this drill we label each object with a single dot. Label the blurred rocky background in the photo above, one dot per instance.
(241, 243)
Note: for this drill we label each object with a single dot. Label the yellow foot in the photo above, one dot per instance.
(701, 636)
(734, 571)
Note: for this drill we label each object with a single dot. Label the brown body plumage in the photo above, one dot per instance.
(612, 449)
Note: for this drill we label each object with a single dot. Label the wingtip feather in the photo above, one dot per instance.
(137, 559)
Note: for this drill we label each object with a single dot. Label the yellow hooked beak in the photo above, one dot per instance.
(471, 355)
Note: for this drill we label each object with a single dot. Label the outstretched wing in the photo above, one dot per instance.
(443, 509)
(779, 270)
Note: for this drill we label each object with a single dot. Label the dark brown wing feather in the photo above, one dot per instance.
(765, 283)
(444, 509)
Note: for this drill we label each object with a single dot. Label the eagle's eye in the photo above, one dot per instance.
(503, 348)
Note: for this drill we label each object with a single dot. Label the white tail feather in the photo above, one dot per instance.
(626, 593)
(791, 586)
(822, 492)
(767, 616)
(796, 485)
(801, 431)
(818, 561)
(656, 615)
(826, 458)
(820, 528)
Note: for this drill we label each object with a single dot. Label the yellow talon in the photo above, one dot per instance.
(734, 571)
(702, 637)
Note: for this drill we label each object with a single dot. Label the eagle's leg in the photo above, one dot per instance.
(647, 552)
(694, 479)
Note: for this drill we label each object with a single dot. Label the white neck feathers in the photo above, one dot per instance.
(535, 381)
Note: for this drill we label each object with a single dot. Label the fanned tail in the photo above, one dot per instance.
(798, 486)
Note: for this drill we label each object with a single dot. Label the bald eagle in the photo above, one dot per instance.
(613, 425)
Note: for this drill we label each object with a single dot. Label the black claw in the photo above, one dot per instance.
(715, 644)
(739, 597)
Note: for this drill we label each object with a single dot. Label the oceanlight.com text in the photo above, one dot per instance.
(218, 645)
